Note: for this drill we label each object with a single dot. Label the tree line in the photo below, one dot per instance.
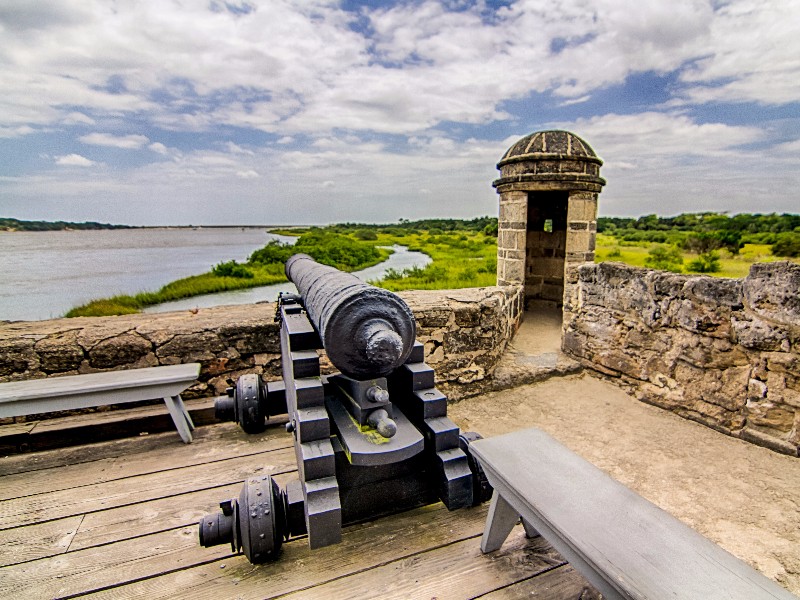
(7, 224)
(708, 231)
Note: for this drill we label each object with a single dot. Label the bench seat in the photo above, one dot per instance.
(36, 396)
(624, 545)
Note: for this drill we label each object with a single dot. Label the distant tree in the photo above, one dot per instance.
(701, 242)
(787, 244)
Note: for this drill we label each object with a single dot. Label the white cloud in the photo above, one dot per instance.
(159, 148)
(421, 63)
(12, 132)
(128, 142)
(236, 149)
(654, 136)
(669, 163)
(74, 160)
(76, 117)
(752, 56)
(95, 70)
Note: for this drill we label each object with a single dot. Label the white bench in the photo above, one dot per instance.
(35, 396)
(624, 545)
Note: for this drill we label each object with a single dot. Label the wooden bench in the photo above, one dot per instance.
(35, 396)
(624, 545)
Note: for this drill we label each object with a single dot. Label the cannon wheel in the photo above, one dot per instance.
(262, 519)
(249, 405)
(481, 488)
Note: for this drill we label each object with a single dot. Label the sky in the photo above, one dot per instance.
(248, 112)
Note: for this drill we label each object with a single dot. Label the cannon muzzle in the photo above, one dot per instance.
(367, 332)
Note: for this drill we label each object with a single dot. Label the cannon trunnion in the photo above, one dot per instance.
(371, 440)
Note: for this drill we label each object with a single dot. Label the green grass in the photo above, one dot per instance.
(196, 285)
(460, 259)
(290, 231)
(737, 266)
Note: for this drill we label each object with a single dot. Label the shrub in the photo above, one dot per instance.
(366, 235)
(337, 250)
(232, 269)
(707, 262)
(664, 258)
(273, 252)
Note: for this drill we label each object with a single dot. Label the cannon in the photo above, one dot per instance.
(371, 439)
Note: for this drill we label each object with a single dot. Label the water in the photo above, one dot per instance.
(402, 258)
(43, 274)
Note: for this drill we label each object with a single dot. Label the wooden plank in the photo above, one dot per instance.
(42, 540)
(607, 531)
(171, 455)
(102, 496)
(105, 418)
(166, 442)
(37, 541)
(103, 566)
(454, 572)
(14, 429)
(122, 523)
(106, 425)
(559, 584)
(396, 538)
(21, 544)
(48, 459)
(126, 522)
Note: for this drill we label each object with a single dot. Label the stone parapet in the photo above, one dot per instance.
(464, 331)
(722, 352)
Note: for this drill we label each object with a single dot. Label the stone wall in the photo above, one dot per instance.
(723, 352)
(464, 331)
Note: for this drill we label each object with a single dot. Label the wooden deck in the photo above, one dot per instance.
(118, 519)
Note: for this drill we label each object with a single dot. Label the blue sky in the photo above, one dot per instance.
(319, 111)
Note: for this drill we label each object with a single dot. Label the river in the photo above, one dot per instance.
(44, 274)
(401, 258)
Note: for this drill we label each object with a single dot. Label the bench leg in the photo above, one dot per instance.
(179, 418)
(185, 412)
(501, 520)
(530, 530)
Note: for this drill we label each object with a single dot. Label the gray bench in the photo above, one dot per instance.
(35, 396)
(624, 545)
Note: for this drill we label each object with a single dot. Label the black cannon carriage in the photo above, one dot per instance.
(372, 439)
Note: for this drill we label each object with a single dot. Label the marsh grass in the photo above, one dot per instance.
(460, 259)
(196, 285)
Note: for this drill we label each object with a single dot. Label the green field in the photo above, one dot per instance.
(609, 248)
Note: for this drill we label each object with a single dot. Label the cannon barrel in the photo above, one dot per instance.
(367, 332)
